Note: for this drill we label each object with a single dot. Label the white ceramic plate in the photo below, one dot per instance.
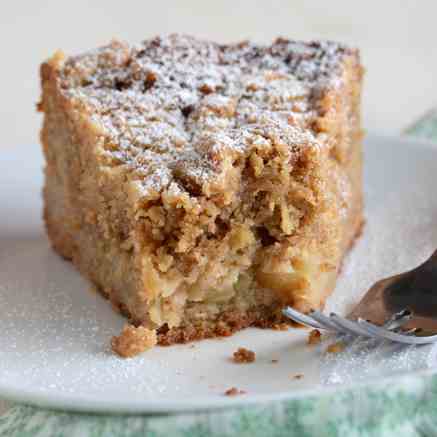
(54, 332)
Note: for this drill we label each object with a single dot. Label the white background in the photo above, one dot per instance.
(397, 39)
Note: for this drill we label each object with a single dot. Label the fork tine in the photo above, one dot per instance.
(412, 331)
(398, 319)
(299, 317)
(394, 336)
(349, 325)
(391, 330)
(327, 321)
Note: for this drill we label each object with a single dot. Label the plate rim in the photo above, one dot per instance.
(88, 404)
(95, 404)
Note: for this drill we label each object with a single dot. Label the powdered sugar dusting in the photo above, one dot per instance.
(51, 321)
(173, 101)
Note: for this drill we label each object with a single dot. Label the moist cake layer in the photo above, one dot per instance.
(204, 186)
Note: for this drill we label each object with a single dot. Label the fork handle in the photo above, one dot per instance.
(415, 290)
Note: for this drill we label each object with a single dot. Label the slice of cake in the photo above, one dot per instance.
(201, 186)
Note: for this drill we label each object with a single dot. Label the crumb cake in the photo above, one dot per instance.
(202, 186)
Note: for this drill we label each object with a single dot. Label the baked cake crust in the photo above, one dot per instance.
(200, 186)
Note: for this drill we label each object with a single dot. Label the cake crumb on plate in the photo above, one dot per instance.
(133, 341)
(243, 355)
(314, 337)
(234, 391)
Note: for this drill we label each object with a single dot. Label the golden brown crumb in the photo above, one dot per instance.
(243, 355)
(234, 391)
(133, 341)
(314, 337)
(298, 376)
(335, 348)
(281, 327)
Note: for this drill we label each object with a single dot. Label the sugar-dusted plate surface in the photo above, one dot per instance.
(54, 331)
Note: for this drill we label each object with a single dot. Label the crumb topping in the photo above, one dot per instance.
(243, 355)
(133, 341)
(175, 109)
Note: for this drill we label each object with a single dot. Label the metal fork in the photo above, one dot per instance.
(405, 307)
(390, 330)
